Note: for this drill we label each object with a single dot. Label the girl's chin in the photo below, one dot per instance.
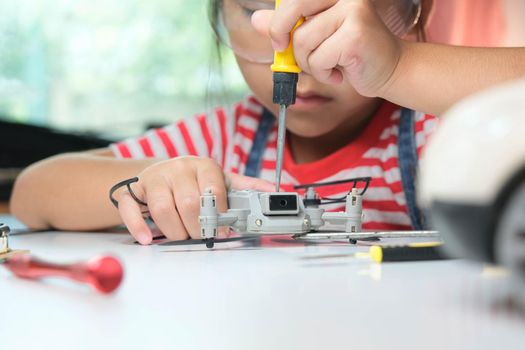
(309, 131)
(310, 103)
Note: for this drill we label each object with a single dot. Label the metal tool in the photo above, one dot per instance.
(365, 235)
(424, 251)
(104, 273)
(285, 77)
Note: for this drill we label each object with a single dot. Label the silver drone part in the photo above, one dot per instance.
(352, 217)
(258, 213)
(210, 220)
(4, 238)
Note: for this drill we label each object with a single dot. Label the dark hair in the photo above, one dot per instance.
(215, 63)
(214, 9)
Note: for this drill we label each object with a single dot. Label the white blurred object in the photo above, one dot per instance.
(472, 180)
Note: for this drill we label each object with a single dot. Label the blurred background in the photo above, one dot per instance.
(84, 65)
(76, 74)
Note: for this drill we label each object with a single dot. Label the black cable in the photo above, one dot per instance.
(332, 200)
(356, 180)
(121, 184)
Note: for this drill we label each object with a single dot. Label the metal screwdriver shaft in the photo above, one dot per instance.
(285, 76)
(281, 136)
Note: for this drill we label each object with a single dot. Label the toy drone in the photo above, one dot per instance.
(254, 213)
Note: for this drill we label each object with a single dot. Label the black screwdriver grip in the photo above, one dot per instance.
(285, 88)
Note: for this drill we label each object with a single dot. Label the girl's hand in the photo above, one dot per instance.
(340, 40)
(172, 190)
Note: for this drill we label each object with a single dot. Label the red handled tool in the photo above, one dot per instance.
(104, 273)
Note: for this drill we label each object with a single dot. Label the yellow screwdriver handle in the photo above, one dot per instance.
(284, 62)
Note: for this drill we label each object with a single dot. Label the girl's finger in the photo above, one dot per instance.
(324, 66)
(131, 214)
(287, 15)
(187, 199)
(241, 182)
(161, 205)
(313, 33)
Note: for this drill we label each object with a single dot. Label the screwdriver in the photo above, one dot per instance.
(104, 273)
(424, 251)
(285, 77)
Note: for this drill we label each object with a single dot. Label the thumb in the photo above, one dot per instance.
(261, 21)
(241, 182)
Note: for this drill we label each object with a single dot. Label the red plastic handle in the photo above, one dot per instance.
(104, 273)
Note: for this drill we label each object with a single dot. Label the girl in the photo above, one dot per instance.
(339, 128)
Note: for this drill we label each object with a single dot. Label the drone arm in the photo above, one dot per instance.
(226, 219)
(210, 220)
(352, 217)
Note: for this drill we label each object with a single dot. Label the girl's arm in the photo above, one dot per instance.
(346, 41)
(431, 78)
(70, 192)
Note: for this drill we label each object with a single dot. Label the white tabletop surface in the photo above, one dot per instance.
(280, 297)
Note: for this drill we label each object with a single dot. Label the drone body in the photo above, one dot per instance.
(260, 213)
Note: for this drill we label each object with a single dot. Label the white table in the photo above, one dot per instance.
(290, 297)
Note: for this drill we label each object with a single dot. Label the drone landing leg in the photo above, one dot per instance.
(210, 242)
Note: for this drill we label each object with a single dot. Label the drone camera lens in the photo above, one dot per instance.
(283, 202)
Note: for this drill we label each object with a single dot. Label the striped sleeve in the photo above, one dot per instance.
(424, 127)
(205, 135)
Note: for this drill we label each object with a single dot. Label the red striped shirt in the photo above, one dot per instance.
(227, 135)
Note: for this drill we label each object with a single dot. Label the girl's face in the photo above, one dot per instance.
(320, 108)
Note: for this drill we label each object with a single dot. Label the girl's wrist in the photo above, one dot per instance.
(397, 80)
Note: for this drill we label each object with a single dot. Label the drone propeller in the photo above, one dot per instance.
(201, 241)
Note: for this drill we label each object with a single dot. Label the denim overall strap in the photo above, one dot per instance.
(408, 163)
(254, 163)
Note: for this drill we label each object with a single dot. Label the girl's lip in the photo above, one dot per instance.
(309, 100)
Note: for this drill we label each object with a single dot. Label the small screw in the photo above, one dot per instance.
(258, 222)
(4, 238)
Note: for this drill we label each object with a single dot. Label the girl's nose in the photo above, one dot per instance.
(306, 82)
